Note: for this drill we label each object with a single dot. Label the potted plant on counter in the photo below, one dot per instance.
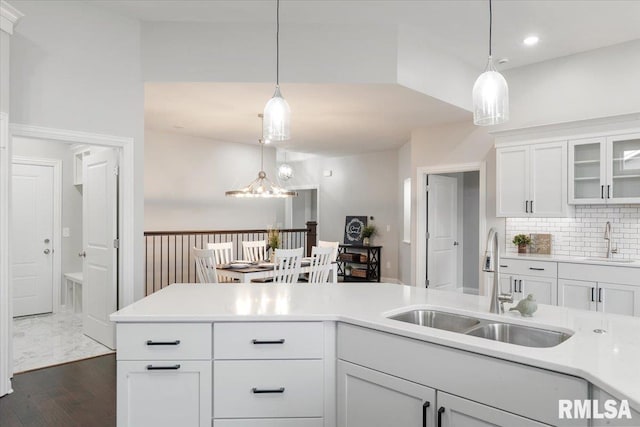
(521, 241)
(367, 234)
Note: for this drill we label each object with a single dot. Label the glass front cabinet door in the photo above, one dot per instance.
(605, 170)
(587, 171)
(623, 175)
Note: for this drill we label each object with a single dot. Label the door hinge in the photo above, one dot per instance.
(426, 282)
(426, 188)
(116, 170)
(116, 243)
(428, 235)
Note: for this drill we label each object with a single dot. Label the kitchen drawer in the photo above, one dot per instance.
(164, 341)
(268, 340)
(600, 273)
(270, 422)
(528, 268)
(300, 383)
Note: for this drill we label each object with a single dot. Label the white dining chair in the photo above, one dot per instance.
(223, 251)
(321, 259)
(332, 245)
(255, 250)
(287, 268)
(205, 260)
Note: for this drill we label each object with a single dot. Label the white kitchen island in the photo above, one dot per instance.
(266, 355)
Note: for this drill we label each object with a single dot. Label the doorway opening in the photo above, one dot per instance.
(303, 208)
(451, 217)
(64, 240)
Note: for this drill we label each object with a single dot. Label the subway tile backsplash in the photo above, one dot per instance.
(583, 235)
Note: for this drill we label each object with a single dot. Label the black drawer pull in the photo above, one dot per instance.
(440, 411)
(592, 292)
(256, 390)
(280, 341)
(163, 368)
(504, 266)
(176, 342)
(536, 268)
(424, 413)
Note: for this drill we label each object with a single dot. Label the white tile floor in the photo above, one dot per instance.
(50, 339)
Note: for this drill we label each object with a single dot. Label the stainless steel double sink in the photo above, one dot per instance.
(483, 328)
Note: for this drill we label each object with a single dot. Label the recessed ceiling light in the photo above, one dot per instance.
(531, 41)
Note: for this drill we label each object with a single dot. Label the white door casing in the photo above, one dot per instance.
(99, 231)
(36, 213)
(442, 226)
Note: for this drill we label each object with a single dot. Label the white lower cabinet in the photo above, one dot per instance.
(455, 411)
(544, 289)
(370, 398)
(597, 296)
(164, 393)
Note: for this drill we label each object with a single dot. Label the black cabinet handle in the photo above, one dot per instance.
(256, 390)
(536, 268)
(531, 208)
(526, 206)
(424, 413)
(608, 191)
(602, 191)
(163, 368)
(150, 342)
(440, 411)
(593, 290)
(504, 266)
(599, 294)
(280, 341)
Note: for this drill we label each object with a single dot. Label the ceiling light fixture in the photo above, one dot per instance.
(531, 40)
(490, 91)
(261, 186)
(277, 114)
(285, 171)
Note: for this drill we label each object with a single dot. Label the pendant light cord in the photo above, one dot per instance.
(277, 42)
(490, 25)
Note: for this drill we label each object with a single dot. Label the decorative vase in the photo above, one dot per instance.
(366, 241)
(522, 249)
(347, 271)
(272, 256)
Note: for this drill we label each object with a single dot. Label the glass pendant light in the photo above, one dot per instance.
(490, 91)
(285, 171)
(261, 186)
(277, 114)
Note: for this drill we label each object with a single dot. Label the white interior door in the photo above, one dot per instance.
(32, 249)
(442, 226)
(99, 231)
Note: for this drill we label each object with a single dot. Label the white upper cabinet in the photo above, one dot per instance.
(531, 180)
(605, 170)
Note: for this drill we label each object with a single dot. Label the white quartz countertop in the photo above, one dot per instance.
(611, 361)
(616, 262)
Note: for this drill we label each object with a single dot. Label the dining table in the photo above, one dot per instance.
(245, 272)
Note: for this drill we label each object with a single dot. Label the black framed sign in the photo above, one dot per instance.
(353, 229)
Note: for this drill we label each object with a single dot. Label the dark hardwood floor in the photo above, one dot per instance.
(79, 394)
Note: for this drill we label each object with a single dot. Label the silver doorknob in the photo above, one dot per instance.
(47, 240)
(82, 254)
(47, 251)
(455, 243)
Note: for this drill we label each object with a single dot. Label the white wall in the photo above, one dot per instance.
(76, 66)
(71, 195)
(404, 248)
(598, 83)
(360, 185)
(241, 52)
(470, 215)
(185, 181)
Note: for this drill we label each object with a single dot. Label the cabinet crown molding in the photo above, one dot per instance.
(611, 125)
(9, 17)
